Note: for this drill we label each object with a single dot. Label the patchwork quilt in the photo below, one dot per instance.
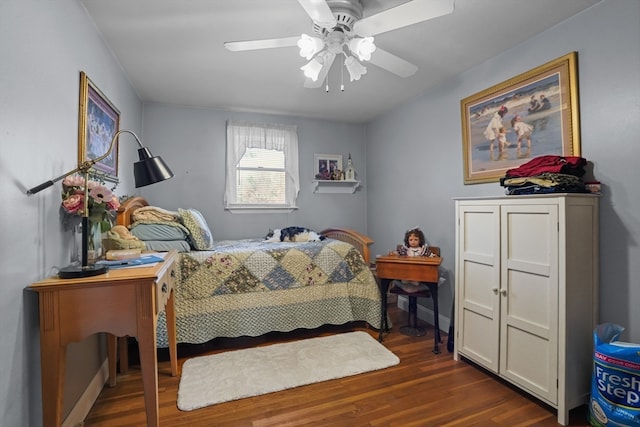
(251, 287)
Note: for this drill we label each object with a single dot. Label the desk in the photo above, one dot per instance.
(420, 269)
(120, 302)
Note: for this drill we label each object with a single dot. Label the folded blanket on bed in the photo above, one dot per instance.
(154, 213)
(167, 245)
(162, 236)
(159, 230)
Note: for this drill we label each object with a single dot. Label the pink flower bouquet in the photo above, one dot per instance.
(102, 203)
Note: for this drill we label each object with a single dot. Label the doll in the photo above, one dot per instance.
(414, 245)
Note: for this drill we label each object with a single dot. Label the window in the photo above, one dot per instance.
(262, 167)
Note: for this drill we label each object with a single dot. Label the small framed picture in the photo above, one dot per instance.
(326, 165)
(99, 120)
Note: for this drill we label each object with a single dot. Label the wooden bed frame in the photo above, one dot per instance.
(359, 241)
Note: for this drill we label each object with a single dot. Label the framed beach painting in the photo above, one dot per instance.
(530, 115)
(99, 120)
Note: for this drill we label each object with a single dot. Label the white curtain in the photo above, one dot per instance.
(243, 135)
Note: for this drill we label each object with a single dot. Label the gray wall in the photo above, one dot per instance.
(44, 45)
(193, 142)
(429, 171)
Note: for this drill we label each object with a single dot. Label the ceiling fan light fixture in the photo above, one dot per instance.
(362, 47)
(309, 46)
(312, 69)
(355, 69)
(341, 28)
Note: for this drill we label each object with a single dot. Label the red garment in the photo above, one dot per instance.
(570, 165)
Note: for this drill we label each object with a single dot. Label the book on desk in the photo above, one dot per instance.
(141, 261)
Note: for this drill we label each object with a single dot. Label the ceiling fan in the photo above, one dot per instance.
(340, 29)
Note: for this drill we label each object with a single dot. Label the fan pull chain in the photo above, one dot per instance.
(326, 82)
(342, 76)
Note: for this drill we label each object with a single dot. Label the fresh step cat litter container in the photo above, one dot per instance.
(615, 384)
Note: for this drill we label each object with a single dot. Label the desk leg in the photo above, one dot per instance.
(147, 344)
(112, 346)
(433, 288)
(123, 352)
(384, 324)
(53, 355)
(170, 313)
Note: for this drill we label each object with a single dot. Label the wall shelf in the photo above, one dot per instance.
(327, 186)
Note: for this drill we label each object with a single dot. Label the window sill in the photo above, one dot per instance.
(259, 210)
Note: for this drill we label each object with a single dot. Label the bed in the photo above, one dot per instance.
(250, 287)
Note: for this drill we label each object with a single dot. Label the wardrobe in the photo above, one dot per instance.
(526, 298)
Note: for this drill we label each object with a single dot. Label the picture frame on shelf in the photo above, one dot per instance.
(325, 165)
(98, 121)
(538, 113)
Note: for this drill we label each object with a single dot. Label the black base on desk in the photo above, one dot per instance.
(78, 271)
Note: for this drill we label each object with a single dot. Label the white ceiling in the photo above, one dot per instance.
(173, 53)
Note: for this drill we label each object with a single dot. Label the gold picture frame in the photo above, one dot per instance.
(98, 121)
(538, 111)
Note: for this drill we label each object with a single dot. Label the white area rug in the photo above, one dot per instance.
(232, 375)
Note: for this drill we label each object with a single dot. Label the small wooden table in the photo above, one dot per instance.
(419, 269)
(121, 302)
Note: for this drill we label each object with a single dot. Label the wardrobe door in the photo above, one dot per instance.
(529, 297)
(478, 279)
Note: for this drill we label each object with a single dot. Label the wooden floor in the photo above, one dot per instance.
(423, 390)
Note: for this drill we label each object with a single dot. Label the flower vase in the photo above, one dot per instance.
(76, 245)
(94, 242)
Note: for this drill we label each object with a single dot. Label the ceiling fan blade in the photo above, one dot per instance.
(392, 63)
(401, 16)
(319, 12)
(322, 75)
(261, 44)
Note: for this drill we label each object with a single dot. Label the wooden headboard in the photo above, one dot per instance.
(127, 208)
(359, 241)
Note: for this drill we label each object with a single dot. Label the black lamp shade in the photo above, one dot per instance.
(149, 169)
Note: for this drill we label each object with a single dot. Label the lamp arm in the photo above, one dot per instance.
(113, 143)
(84, 166)
(47, 184)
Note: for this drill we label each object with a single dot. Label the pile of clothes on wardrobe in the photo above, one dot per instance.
(547, 174)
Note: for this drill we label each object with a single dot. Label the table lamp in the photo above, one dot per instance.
(148, 170)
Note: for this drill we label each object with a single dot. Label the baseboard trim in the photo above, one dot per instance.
(425, 314)
(82, 407)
